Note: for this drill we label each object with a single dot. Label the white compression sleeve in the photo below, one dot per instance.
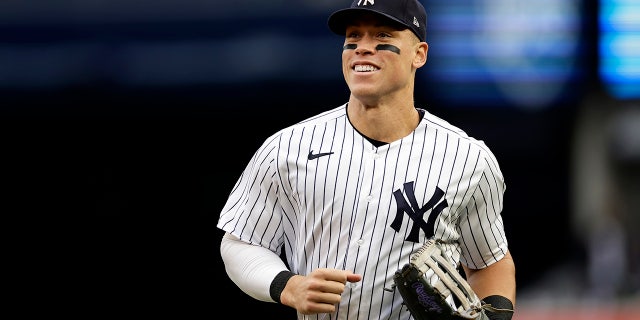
(252, 268)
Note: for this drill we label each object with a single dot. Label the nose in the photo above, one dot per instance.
(365, 46)
(363, 50)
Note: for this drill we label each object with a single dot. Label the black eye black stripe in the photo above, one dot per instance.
(392, 48)
(350, 46)
(389, 47)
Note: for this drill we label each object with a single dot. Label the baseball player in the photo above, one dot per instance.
(350, 193)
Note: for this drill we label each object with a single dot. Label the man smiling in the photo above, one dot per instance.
(348, 193)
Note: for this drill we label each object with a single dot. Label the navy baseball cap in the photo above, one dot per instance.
(409, 13)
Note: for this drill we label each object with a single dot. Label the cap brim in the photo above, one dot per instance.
(338, 20)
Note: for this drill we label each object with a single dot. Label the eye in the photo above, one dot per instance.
(384, 35)
(352, 35)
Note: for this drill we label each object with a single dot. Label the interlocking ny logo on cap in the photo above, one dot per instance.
(364, 3)
(406, 13)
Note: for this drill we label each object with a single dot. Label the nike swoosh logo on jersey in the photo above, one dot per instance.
(317, 155)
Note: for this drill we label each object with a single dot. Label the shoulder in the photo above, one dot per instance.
(324, 117)
(321, 119)
(444, 127)
(441, 124)
(304, 126)
(461, 139)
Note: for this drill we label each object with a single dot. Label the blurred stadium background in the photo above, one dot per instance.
(126, 124)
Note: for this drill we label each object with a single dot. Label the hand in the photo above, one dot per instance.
(317, 292)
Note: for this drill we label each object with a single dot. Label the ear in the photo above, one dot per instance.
(421, 54)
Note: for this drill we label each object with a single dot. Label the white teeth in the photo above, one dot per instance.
(364, 68)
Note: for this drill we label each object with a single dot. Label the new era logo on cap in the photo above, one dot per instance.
(409, 13)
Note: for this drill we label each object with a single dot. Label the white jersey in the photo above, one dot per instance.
(335, 200)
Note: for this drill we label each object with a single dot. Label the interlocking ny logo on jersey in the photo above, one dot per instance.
(416, 213)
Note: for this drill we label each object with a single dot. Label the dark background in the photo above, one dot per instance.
(118, 187)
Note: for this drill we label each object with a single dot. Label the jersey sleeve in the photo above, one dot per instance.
(482, 231)
(252, 211)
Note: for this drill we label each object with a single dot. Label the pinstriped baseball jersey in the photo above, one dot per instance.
(337, 201)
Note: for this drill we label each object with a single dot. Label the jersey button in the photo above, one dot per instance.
(360, 242)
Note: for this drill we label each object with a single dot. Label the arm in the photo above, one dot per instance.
(252, 268)
(496, 279)
(495, 285)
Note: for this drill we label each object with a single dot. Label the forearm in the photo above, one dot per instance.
(497, 279)
(252, 268)
(496, 285)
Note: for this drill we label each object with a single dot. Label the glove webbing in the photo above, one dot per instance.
(430, 256)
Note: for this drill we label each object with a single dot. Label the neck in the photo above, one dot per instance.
(383, 122)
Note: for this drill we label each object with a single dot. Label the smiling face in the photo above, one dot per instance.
(380, 58)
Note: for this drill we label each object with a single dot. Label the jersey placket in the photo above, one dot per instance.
(358, 243)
